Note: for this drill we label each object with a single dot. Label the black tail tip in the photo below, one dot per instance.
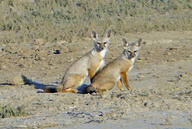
(90, 90)
(50, 90)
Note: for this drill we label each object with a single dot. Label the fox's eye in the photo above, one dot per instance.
(98, 43)
(135, 51)
(105, 43)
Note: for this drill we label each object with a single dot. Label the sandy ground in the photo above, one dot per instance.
(161, 82)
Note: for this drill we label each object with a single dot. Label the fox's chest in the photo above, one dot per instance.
(133, 63)
(102, 53)
(126, 65)
(98, 64)
(101, 65)
(130, 68)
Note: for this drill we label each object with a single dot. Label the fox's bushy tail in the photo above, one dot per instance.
(90, 89)
(53, 89)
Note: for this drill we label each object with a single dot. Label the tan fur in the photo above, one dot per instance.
(116, 70)
(86, 66)
(120, 85)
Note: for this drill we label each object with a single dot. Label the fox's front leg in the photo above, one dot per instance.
(91, 74)
(119, 84)
(124, 78)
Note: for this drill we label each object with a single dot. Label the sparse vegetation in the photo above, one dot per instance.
(52, 20)
(10, 111)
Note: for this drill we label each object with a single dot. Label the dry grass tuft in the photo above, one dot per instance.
(52, 20)
(9, 111)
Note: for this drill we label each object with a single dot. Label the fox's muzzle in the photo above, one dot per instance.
(129, 54)
(100, 47)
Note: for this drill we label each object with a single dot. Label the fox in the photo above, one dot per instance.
(115, 73)
(86, 66)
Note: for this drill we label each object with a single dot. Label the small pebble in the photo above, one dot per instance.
(145, 104)
(56, 52)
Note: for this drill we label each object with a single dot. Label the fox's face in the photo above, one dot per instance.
(101, 42)
(131, 49)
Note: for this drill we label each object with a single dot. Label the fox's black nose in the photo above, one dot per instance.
(101, 48)
(132, 54)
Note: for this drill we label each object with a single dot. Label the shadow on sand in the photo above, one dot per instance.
(42, 86)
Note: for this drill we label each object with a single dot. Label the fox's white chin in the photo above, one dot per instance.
(103, 52)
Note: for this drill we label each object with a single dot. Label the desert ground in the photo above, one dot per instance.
(160, 95)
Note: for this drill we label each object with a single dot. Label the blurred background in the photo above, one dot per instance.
(54, 20)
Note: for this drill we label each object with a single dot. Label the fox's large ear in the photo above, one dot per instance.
(108, 33)
(138, 43)
(94, 35)
(124, 43)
